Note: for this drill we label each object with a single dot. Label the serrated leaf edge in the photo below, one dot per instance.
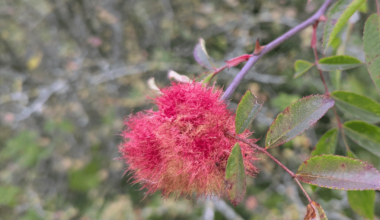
(293, 127)
(378, 89)
(339, 100)
(370, 166)
(328, 43)
(251, 109)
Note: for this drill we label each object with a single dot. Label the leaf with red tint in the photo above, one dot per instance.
(201, 55)
(296, 118)
(315, 212)
(235, 176)
(237, 60)
(337, 172)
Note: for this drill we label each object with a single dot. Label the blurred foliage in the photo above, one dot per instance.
(72, 70)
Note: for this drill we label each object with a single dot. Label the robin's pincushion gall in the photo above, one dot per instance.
(183, 147)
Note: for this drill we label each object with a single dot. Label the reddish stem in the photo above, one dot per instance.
(303, 190)
(377, 6)
(313, 45)
(274, 159)
(263, 150)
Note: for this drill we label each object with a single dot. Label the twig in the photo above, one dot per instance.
(225, 209)
(263, 150)
(208, 214)
(231, 88)
(313, 45)
(45, 93)
(303, 190)
(274, 159)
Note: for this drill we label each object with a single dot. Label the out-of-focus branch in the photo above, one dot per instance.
(208, 214)
(225, 209)
(231, 88)
(45, 93)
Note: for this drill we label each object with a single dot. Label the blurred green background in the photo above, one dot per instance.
(72, 70)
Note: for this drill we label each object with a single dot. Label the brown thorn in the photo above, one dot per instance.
(258, 48)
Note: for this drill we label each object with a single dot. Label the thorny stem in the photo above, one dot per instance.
(313, 20)
(231, 88)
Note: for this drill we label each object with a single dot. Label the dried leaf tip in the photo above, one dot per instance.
(258, 48)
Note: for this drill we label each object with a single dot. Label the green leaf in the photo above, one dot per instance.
(335, 77)
(283, 100)
(351, 154)
(337, 17)
(315, 212)
(339, 172)
(371, 42)
(235, 176)
(364, 134)
(296, 118)
(336, 43)
(301, 67)
(8, 195)
(327, 143)
(32, 215)
(246, 112)
(340, 62)
(206, 80)
(24, 149)
(357, 105)
(201, 55)
(364, 7)
(86, 178)
(362, 202)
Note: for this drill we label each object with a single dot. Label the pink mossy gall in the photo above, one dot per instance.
(183, 147)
